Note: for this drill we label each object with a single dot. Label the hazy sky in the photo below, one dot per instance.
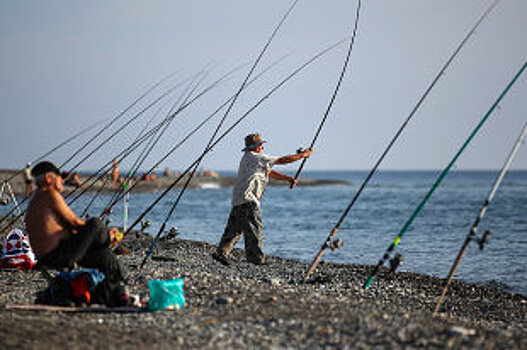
(67, 64)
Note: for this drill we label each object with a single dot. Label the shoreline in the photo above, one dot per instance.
(269, 306)
(162, 182)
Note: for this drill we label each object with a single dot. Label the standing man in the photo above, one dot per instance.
(245, 217)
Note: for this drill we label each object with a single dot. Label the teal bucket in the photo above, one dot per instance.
(166, 294)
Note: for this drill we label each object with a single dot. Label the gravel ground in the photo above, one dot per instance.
(248, 306)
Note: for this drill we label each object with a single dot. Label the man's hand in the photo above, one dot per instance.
(292, 182)
(307, 153)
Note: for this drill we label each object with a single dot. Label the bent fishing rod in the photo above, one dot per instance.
(472, 233)
(335, 92)
(191, 133)
(226, 132)
(327, 243)
(416, 212)
(216, 131)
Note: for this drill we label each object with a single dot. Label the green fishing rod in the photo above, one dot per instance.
(335, 92)
(328, 243)
(226, 132)
(217, 130)
(472, 233)
(416, 212)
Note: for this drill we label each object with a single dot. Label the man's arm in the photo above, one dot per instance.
(64, 212)
(279, 176)
(294, 157)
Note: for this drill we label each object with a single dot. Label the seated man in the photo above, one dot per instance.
(60, 238)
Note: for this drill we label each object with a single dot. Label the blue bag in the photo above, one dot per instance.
(166, 294)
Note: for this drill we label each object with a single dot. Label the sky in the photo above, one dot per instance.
(68, 64)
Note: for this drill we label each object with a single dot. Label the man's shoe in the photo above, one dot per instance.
(257, 261)
(221, 258)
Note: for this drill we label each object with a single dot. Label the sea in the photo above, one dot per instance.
(298, 221)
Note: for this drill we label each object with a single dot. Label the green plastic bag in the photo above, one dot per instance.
(166, 294)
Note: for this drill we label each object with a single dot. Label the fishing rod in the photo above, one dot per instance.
(335, 92)
(127, 124)
(126, 152)
(114, 120)
(122, 194)
(107, 178)
(472, 233)
(216, 131)
(416, 212)
(150, 144)
(92, 139)
(196, 129)
(226, 132)
(334, 231)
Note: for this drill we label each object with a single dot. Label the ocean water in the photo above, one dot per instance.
(298, 221)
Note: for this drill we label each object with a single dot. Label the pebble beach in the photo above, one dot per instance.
(269, 307)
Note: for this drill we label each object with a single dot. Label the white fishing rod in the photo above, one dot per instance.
(472, 234)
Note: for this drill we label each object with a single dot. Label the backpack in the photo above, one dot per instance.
(17, 252)
(81, 287)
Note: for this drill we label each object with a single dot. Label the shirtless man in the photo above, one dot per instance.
(60, 238)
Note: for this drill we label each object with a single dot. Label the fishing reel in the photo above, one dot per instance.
(4, 200)
(395, 262)
(484, 240)
(145, 224)
(336, 244)
(172, 233)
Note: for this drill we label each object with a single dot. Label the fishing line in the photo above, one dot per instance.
(441, 72)
(438, 181)
(335, 92)
(481, 214)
